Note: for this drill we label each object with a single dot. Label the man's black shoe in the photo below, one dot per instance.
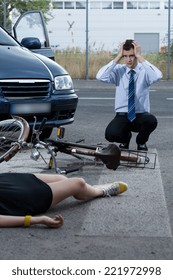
(142, 147)
(126, 145)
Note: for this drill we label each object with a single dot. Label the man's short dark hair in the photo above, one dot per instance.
(128, 45)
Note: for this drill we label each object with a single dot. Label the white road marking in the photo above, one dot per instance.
(141, 211)
(164, 117)
(97, 98)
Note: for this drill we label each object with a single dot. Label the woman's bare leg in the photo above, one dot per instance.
(50, 178)
(63, 187)
(76, 187)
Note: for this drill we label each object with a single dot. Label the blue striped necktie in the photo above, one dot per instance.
(131, 97)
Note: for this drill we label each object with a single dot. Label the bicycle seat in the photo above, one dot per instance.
(110, 156)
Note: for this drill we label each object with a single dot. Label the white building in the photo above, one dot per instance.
(109, 24)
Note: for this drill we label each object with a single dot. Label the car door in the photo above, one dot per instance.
(30, 30)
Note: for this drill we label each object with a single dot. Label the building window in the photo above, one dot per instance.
(80, 5)
(95, 5)
(143, 5)
(109, 4)
(69, 5)
(106, 5)
(132, 5)
(118, 5)
(166, 5)
(57, 5)
(155, 5)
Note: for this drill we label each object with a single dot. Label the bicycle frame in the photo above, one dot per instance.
(109, 155)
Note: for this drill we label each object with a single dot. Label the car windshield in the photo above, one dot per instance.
(6, 39)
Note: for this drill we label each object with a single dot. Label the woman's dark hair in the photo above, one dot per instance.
(128, 45)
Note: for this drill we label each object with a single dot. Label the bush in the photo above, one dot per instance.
(74, 61)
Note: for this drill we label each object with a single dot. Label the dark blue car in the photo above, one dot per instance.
(32, 84)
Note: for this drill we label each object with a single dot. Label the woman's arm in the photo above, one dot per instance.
(17, 221)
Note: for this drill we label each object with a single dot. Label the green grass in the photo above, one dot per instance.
(74, 61)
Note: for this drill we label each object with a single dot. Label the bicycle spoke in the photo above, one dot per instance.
(11, 131)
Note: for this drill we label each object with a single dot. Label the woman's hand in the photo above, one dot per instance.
(55, 222)
(18, 221)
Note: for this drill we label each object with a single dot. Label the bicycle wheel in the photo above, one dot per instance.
(13, 132)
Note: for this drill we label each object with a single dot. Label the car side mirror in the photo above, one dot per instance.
(31, 43)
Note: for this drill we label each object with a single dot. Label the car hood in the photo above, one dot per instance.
(18, 62)
(55, 68)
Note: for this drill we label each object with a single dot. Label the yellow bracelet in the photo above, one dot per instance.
(27, 221)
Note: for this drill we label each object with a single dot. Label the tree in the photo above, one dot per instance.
(22, 6)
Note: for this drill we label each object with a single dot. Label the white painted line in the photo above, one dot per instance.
(164, 117)
(76, 89)
(97, 98)
(140, 211)
(109, 98)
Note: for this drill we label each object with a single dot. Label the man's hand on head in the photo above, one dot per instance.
(137, 51)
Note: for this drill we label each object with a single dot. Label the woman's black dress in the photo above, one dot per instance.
(23, 194)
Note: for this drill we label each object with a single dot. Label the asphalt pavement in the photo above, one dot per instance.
(133, 225)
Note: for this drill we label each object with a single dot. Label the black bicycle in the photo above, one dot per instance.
(14, 133)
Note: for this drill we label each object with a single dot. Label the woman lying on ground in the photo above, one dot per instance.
(23, 196)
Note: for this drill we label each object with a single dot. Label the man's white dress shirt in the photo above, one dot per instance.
(145, 75)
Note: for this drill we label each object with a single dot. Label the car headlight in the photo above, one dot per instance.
(63, 82)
